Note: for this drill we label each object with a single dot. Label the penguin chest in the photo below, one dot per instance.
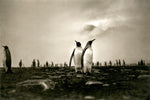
(5, 61)
(88, 57)
(77, 57)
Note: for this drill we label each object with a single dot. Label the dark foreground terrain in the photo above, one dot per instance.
(105, 83)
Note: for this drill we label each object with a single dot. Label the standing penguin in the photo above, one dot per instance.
(87, 57)
(20, 63)
(7, 60)
(77, 52)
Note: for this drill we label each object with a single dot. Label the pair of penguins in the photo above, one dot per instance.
(83, 58)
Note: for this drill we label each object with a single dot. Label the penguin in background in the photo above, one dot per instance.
(7, 60)
(87, 57)
(76, 54)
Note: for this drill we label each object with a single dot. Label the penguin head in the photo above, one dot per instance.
(90, 42)
(5, 47)
(78, 44)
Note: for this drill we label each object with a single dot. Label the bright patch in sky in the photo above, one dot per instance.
(105, 23)
(95, 23)
(102, 23)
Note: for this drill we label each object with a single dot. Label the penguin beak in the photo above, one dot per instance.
(93, 40)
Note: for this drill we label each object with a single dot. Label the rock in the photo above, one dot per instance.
(93, 82)
(125, 97)
(59, 72)
(144, 76)
(100, 99)
(127, 70)
(12, 91)
(46, 70)
(79, 75)
(105, 85)
(132, 76)
(36, 77)
(69, 75)
(63, 76)
(142, 71)
(96, 71)
(105, 74)
(89, 97)
(114, 83)
(35, 83)
(54, 77)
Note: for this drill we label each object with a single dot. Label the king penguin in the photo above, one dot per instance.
(87, 57)
(76, 54)
(7, 60)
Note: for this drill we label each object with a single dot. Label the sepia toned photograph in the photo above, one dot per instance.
(74, 49)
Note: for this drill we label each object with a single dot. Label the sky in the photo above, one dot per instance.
(47, 29)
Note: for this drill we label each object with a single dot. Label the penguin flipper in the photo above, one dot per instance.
(71, 57)
(82, 60)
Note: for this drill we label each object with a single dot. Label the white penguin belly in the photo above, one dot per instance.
(88, 58)
(4, 63)
(77, 58)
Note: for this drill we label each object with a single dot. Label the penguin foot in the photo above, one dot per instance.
(85, 74)
(9, 72)
(79, 72)
(88, 73)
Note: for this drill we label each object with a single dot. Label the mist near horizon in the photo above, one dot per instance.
(46, 29)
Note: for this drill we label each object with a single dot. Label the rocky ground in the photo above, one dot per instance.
(104, 83)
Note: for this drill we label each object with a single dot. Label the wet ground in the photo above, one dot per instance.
(105, 83)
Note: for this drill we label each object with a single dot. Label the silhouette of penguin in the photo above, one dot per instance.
(87, 57)
(76, 54)
(7, 60)
(20, 63)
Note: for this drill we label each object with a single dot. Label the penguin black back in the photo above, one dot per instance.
(8, 58)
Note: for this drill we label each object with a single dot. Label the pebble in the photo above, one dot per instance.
(12, 91)
(54, 76)
(96, 71)
(126, 97)
(93, 82)
(105, 85)
(144, 76)
(79, 75)
(100, 99)
(89, 97)
(114, 83)
(36, 77)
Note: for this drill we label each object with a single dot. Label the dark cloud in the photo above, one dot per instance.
(89, 28)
